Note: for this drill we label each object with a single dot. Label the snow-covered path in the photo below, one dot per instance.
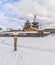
(30, 51)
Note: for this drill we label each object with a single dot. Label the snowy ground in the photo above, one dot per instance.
(30, 51)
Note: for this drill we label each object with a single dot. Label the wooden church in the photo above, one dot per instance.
(31, 27)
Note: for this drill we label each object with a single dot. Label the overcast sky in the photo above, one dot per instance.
(14, 12)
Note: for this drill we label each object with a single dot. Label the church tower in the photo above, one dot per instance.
(34, 23)
(27, 25)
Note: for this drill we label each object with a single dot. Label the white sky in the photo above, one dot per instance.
(11, 13)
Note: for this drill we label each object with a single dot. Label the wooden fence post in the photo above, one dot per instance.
(15, 42)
